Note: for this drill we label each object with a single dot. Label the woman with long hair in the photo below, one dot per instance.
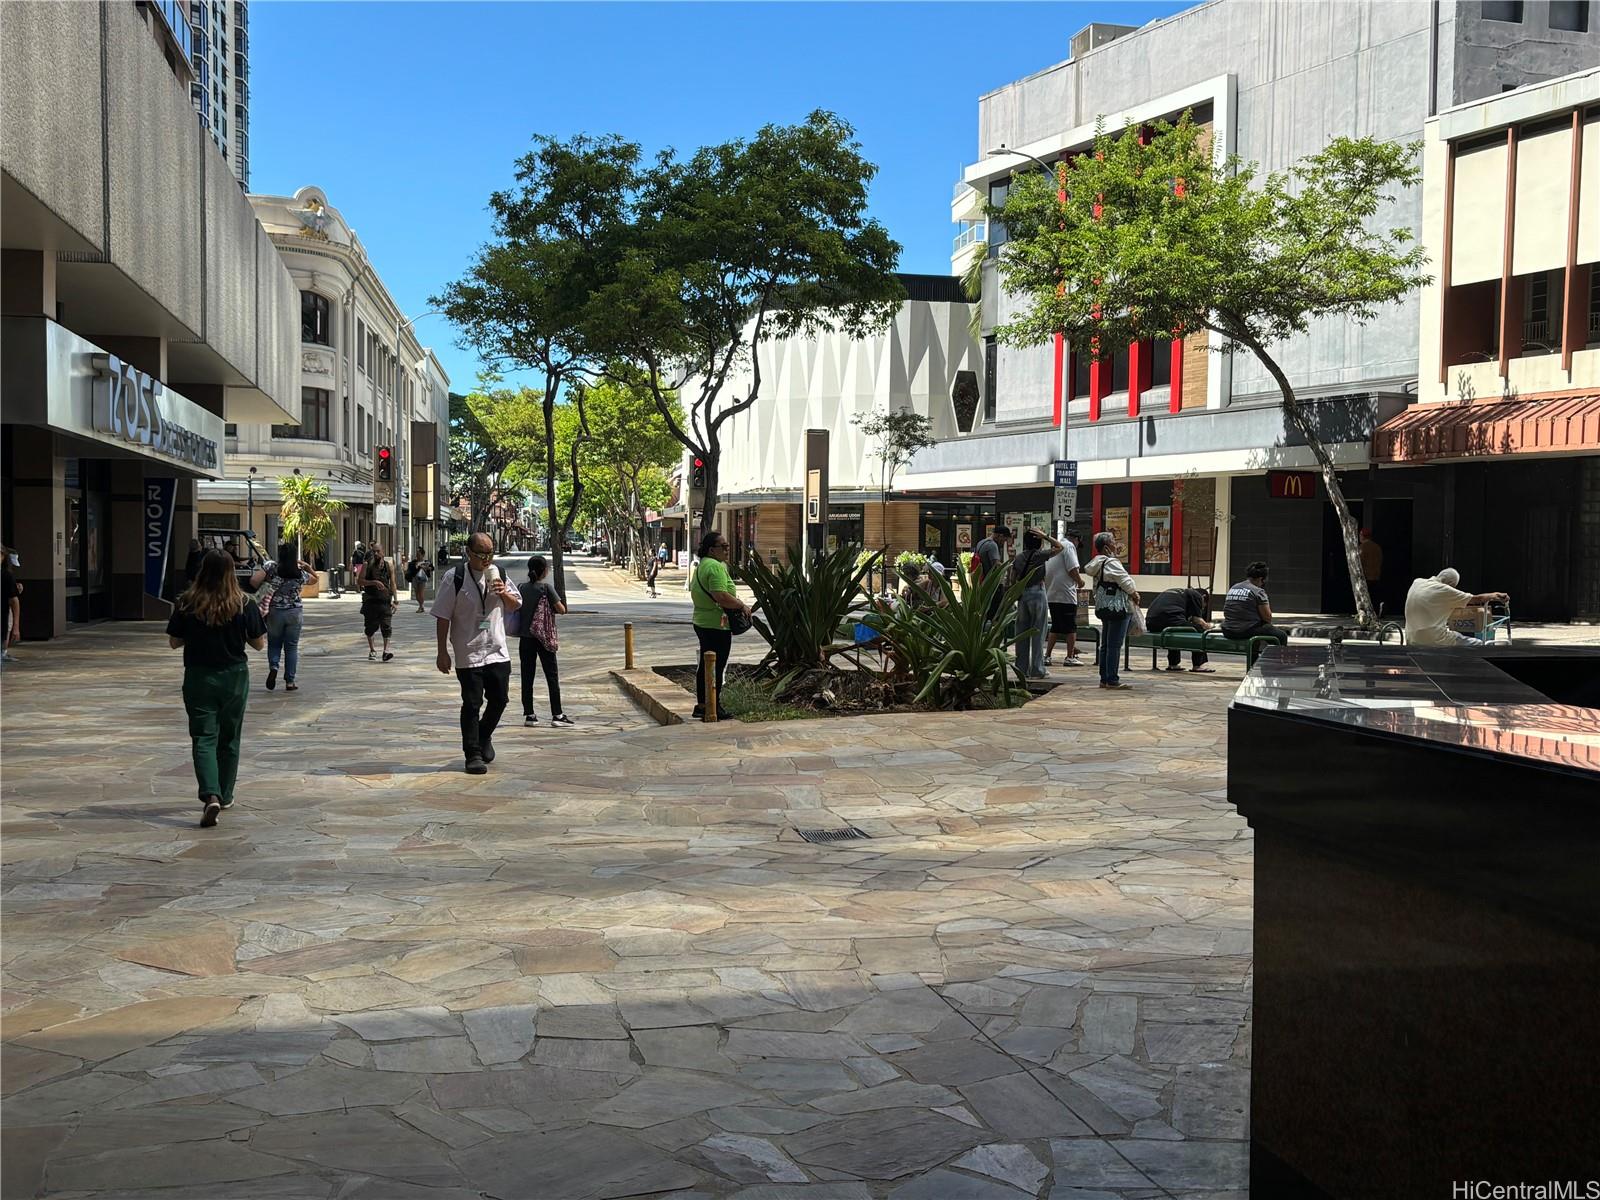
(212, 624)
(287, 614)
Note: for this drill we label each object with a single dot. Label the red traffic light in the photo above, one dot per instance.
(383, 452)
(699, 462)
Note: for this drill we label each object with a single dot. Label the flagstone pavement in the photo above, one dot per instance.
(610, 968)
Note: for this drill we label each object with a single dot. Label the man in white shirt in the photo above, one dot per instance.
(1429, 604)
(470, 607)
(1062, 578)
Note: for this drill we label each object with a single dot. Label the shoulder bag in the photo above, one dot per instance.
(1109, 597)
(542, 624)
(737, 622)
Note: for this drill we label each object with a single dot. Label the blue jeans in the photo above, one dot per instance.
(283, 636)
(1113, 632)
(1031, 616)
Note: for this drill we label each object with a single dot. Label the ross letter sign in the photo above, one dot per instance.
(127, 405)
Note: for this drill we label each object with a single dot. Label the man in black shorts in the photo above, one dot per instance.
(377, 601)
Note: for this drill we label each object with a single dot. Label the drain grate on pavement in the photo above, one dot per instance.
(827, 836)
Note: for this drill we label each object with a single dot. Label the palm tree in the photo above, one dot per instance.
(308, 508)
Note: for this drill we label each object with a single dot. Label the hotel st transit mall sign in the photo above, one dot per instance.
(131, 406)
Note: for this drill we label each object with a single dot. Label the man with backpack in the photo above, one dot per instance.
(470, 608)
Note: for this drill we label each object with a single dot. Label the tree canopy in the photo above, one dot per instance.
(1158, 236)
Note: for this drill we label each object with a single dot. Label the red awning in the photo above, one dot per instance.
(1548, 424)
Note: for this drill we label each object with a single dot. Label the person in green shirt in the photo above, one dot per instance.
(714, 597)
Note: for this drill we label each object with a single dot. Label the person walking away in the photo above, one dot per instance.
(1032, 605)
(657, 560)
(537, 641)
(191, 564)
(358, 561)
(212, 623)
(377, 602)
(1063, 576)
(420, 573)
(285, 613)
(714, 597)
(12, 590)
(986, 559)
(1180, 608)
(1429, 603)
(470, 608)
(1247, 609)
(1115, 596)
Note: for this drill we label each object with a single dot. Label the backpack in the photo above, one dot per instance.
(542, 624)
(411, 570)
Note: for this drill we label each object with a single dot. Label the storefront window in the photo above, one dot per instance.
(845, 525)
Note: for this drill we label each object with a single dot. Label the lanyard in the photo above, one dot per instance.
(480, 586)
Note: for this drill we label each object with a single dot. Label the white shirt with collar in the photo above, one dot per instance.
(467, 603)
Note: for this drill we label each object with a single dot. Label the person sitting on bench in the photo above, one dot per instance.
(1247, 612)
(1181, 608)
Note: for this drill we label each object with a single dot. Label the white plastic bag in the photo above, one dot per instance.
(1135, 619)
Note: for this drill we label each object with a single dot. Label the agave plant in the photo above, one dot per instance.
(801, 613)
(953, 650)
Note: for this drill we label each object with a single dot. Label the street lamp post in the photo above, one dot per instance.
(394, 395)
(1060, 364)
(250, 502)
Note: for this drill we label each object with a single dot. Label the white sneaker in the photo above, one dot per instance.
(1048, 661)
(1072, 662)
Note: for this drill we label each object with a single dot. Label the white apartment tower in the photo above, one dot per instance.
(221, 87)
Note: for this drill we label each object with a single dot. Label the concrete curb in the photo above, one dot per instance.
(664, 700)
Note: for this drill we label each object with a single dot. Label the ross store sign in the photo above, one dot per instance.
(1292, 485)
(128, 406)
(159, 494)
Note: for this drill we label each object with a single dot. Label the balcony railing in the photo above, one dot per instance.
(1594, 318)
(1536, 331)
(972, 234)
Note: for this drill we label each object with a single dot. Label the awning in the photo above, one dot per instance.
(1565, 422)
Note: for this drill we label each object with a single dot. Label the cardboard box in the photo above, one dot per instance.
(1469, 620)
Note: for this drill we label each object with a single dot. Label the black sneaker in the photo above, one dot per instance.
(272, 678)
(563, 719)
(699, 713)
(387, 657)
(531, 719)
(476, 766)
(487, 754)
(209, 814)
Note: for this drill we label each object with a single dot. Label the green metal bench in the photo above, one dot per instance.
(1212, 641)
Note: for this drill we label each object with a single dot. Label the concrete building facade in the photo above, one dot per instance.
(144, 306)
(1273, 82)
(365, 385)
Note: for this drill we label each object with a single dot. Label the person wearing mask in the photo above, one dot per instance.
(1429, 603)
(212, 624)
(714, 597)
(1247, 610)
(470, 608)
(1179, 608)
(1028, 568)
(536, 642)
(285, 614)
(1115, 597)
(377, 602)
(13, 605)
(986, 560)
(419, 572)
(191, 564)
(1063, 576)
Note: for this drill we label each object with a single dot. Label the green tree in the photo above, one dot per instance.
(1164, 237)
(898, 435)
(307, 509)
(742, 243)
(527, 298)
(496, 443)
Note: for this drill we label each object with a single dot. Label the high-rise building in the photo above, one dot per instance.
(221, 86)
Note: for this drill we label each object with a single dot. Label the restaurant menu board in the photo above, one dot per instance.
(1117, 523)
(1157, 536)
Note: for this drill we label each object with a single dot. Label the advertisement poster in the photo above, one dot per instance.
(1157, 536)
(1014, 522)
(1040, 520)
(930, 537)
(1117, 523)
(963, 537)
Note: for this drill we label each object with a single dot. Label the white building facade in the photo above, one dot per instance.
(366, 385)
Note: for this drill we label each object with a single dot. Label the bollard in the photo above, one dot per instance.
(708, 665)
(627, 644)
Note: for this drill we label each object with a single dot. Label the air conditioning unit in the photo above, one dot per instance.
(1098, 34)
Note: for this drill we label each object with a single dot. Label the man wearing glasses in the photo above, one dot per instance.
(470, 608)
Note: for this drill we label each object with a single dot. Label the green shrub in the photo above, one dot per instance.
(955, 653)
(800, 614)
(910, 558)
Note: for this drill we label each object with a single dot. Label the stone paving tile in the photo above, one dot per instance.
(606, 969)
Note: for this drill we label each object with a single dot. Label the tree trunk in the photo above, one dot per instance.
(558, 566)
(1302, 421)
(713, 459)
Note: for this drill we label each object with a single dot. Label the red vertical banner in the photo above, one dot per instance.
(1175, 403)
(1099, 511)
(1097, 379)
(1138, 373)
(1177, 532)
(1059, 407)
(1136, 527)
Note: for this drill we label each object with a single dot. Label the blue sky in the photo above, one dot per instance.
(410, 114)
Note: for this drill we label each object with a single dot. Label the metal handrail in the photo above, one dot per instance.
(976, 232)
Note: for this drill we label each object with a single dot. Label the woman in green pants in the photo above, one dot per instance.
(212, 623)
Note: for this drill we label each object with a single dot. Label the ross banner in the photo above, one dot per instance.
(160, 492)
